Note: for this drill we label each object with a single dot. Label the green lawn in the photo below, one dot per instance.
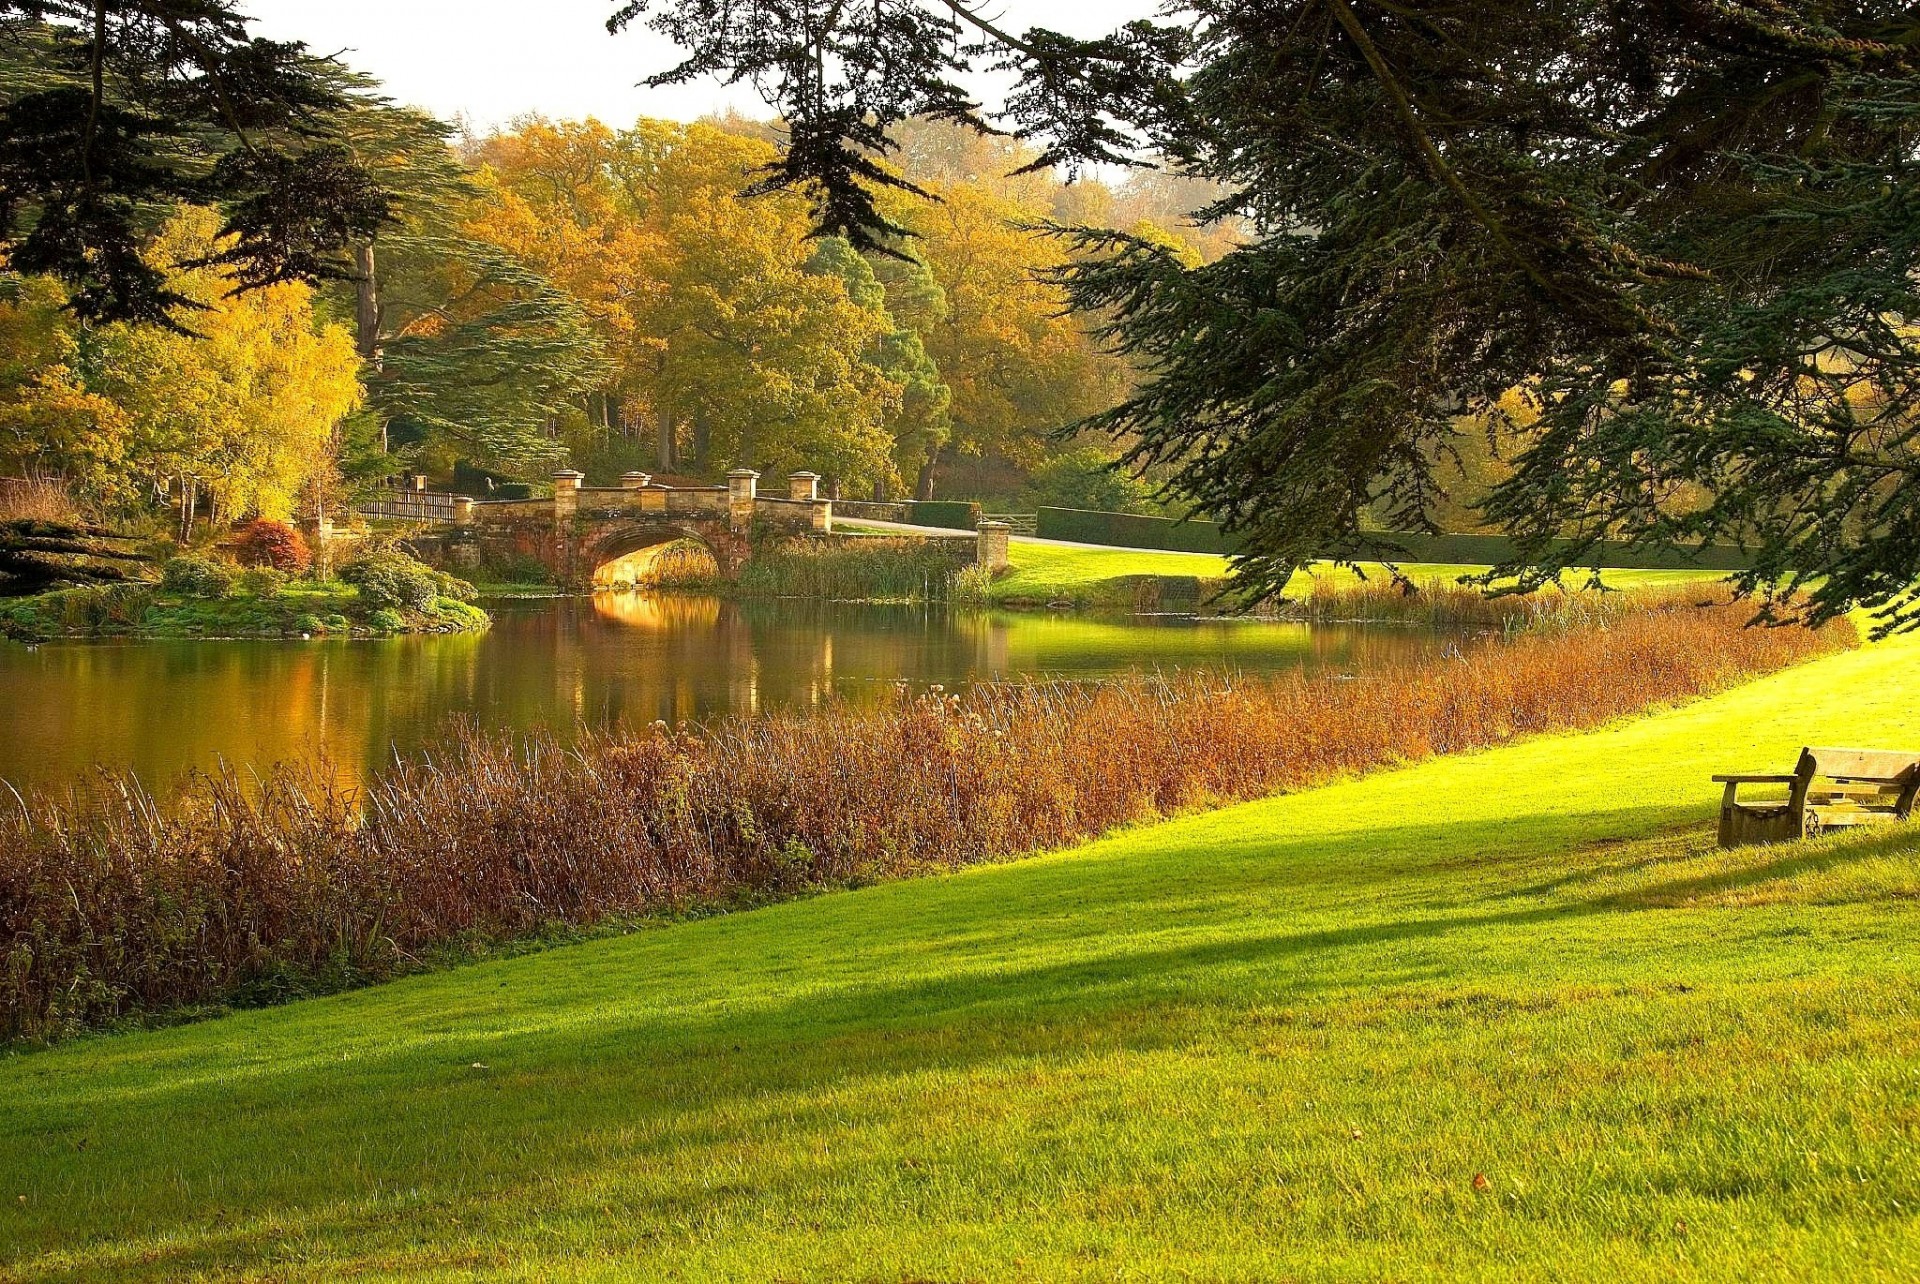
(1087, 576)
(1500, 1015)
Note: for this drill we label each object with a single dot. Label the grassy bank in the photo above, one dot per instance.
(1045, 574)
(1499, 1015)
(300, 609)
(114, 903)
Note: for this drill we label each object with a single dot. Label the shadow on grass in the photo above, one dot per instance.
(466, 1087)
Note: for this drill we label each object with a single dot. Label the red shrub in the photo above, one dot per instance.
(268, 543)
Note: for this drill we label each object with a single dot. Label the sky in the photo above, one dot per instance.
(488, 61)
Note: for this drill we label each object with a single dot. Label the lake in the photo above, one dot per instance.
(163, 707)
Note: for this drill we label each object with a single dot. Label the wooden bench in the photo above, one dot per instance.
(1829, 789)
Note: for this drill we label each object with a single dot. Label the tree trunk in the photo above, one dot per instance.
(366, 307)
(702, 442)
(669, 462)
(923, 487)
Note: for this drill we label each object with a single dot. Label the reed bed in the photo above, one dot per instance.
(856, 570)
(112, 903)
(1449, 605)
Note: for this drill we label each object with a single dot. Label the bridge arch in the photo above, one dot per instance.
(626, 554)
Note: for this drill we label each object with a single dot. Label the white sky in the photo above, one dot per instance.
(492, 60)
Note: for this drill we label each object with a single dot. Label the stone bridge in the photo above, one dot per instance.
(583, 529)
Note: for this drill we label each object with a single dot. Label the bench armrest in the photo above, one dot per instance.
(1755, 780)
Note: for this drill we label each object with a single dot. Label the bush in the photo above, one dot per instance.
(387, 620)
(195, 575)
(308, 624)
(1085, 478)
(388, 579)
(454, 587)
(264, 581)
(265, 543)
(953, 514)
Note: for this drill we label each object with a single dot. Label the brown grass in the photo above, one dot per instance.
(37, 499)
(112, 903)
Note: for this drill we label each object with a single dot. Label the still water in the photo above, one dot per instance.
(163, 707)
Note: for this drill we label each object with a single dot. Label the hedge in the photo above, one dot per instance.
(1125, 530)
(951, 514)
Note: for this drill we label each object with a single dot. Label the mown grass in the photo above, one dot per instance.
(1085, 577)
(1499, 1015)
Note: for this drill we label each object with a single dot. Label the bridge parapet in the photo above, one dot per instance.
(582, 526)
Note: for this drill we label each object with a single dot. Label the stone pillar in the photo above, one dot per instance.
(462, 512)
(803, 486)
(992, 545)
(566, 494)
(823, 516)
(635, 481)
(566, 505)
(320, 543)
(743, 484)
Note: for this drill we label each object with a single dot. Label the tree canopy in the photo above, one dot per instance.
(122, 109)
(1682, 234)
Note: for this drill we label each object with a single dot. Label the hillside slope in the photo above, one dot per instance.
(1507, 1013)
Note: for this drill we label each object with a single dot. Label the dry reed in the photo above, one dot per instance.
(37, 499)
(111, 903)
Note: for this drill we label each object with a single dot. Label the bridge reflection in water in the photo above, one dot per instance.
(628, 658)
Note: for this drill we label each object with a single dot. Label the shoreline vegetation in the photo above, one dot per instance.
(891, 569)
(120, 905)
(262, 584)
(314, 610)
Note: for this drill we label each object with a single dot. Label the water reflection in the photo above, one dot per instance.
(165, 706)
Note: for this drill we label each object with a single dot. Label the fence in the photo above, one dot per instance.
(410, 506)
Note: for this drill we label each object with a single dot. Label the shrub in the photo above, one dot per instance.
(264, 581)
(390, 579)
(971, 586)
(196, 575)
(953, 514)
(1087, 479)
(454, 587)
(274, 544)
(111, 902)
(309, 624)
(387, 620)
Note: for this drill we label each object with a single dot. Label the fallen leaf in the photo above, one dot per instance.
(1480, 1182)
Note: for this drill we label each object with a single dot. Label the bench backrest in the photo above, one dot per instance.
(1884, 766)
(1892, 768)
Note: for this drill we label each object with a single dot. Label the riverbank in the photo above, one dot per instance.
(1047, 574)
(232, 881)
(1502, 1014)
(298, 609)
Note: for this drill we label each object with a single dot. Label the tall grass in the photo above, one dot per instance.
(855, 570)
(37, 499)
(1444, 605)
(111, 902)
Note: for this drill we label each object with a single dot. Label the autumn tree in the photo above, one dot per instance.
(233, 420)
(721, 333)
